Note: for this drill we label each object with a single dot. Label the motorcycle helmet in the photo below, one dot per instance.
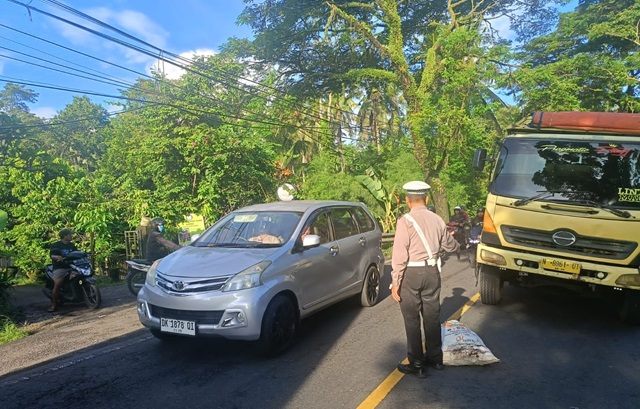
(480, 209)
(157, 224)
(457, 208)
(431, 208)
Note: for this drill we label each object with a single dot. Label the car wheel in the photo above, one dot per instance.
(490, 285)
(370, 288)
(279, 326)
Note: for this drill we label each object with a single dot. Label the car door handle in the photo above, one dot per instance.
(334, 250)
(362, 241)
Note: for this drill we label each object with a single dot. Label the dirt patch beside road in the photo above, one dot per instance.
(72, 328)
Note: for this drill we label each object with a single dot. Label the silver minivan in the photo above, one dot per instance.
(257, 271)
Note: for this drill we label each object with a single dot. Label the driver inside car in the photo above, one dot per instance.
(268, 235)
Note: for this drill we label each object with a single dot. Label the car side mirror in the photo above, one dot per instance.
(479, 159)
(311, 240)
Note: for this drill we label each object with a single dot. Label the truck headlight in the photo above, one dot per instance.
(247, 278)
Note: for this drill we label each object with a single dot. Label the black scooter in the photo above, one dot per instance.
(137, 274)
(79, 284)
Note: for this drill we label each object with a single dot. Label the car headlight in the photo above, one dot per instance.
(247, 278)
(151, 274)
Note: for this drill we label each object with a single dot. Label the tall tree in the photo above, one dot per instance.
(419, 47)
(591, 62)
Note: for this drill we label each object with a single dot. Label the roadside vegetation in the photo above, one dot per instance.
(343, 100)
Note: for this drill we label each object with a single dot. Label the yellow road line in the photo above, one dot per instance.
(379, 393)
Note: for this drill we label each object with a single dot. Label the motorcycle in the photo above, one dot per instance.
(79, 284)
(472, 245)
(460, 232)
(137, 274)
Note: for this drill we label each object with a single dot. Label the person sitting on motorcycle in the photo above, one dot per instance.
(479, 217)
(458, 216)
(57, 252)
(157, 245)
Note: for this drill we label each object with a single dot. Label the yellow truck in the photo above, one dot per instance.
(563, 207)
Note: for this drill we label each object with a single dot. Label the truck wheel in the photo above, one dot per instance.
(490, 285)
(630, 312)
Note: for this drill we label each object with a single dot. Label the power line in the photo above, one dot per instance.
(160, 52)
(160, 57)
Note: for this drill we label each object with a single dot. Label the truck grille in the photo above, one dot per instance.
(584, 246)
(200, 317)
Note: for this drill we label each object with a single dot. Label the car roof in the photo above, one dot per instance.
(296, 205)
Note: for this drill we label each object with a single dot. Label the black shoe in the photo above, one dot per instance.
(413, 369)
(436, 365)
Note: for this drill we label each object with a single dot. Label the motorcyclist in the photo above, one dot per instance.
(479, 217)
(157, 245)
(61, 268)
(458, 216)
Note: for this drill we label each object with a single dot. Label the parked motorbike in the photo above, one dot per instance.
(79, 285)
(137, 274)
(472, 244)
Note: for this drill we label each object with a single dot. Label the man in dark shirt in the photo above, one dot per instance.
(57, 252)
(157, 245)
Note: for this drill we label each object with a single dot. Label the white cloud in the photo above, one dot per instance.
(44, 112)
(173, 72)
(130, 21)
(502, 25)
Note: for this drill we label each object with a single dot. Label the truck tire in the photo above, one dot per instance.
(630, 311)
(490, 285)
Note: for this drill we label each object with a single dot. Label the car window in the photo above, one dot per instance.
(343, 223)
(251, 229)
(364, 220)
(320, 227)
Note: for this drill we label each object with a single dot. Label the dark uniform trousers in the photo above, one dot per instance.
(420, 294)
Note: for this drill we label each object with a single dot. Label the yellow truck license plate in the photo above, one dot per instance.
(559, 265)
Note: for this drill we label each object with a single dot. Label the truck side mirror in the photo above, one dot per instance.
(479, 159)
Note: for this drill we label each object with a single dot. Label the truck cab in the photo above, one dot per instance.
(563, 207)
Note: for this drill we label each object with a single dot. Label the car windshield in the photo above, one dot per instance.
(251, 229)
(591, 173)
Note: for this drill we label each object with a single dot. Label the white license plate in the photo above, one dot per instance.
(177, 326)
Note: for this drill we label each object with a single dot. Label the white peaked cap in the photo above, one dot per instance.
(416, 187)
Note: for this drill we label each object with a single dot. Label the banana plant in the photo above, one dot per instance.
(388, 201)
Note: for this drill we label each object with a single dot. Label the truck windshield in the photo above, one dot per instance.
(598, 173)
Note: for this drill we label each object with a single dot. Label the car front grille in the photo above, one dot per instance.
(584, 245)
(200, 317)
(190, 287)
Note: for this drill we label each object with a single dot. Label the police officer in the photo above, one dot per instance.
(419, 238)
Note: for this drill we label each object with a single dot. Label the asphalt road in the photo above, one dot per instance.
(557, 350)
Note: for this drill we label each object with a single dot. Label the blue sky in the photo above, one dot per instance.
(178, 27)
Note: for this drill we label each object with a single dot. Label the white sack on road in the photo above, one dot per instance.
(461, 346)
